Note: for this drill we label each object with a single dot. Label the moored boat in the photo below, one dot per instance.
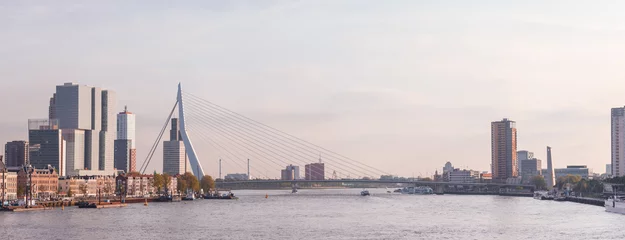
(189, 197)
(420, 190)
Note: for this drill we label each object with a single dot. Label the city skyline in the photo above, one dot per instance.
(385, 90)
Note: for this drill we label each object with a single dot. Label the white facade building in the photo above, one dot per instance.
(87, 119)
(618, 141)
(463, 176)
(125, 151)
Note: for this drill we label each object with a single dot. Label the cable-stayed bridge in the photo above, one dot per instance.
(214, 134)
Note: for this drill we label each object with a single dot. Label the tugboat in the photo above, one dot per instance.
(189, 197)
(364, 193)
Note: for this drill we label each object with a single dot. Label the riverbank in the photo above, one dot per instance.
(590, 201)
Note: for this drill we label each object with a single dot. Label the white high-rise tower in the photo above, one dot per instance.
(618, 141)
(125, 150)
(86, 116)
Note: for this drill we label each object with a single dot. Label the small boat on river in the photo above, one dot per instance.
(364, 193)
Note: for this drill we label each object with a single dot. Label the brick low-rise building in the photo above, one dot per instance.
(44, 182)
(10, 181)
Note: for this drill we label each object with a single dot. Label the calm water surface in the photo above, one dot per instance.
(325, 214)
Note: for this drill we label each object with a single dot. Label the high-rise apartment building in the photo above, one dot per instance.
(314, 171)
(290, 173)
(504, 163)
(46, 146)
(125, 151)
(618, 141)
(174, 153)
(16, 154)
(86, 117)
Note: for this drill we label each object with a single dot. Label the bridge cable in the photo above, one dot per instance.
(283, 134)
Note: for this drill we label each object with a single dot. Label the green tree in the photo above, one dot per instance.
(157, 182)
(83, 189)
(570, 180)
(427, 179)
(21, 190)
(166, 181)
(207, 183)
(188, 181)
(538, 182)
(108, 188)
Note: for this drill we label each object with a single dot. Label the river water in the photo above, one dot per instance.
(324, 214)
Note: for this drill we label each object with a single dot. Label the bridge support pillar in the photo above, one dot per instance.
(439, 189)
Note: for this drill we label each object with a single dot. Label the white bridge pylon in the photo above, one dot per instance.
(198, 171)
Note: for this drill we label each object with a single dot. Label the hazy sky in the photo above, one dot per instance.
(401, 85)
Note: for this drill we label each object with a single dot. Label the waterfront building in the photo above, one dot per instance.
(174, 152)
(575, 170)
(125, 150)
(16, 154)
(140, 185)
(504, 163)
(236, 177)
(46, 146)
(44, 182)
(10, 180)
(549, 175)
(486, 177)
(618, 141)
(463, 176)
(314, 171)
(530, 168)
(524, 155)
(74, 184)
(448, 167)
(290, 173)
(87, 119)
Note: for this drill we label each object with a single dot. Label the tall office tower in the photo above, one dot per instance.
(174, 153)
(290, 173)
(87, 121)
(618, 142)
(314, 171)
(550, 178)
(528, 168)
(125, 151)
(504, 163)
(52, 107)
(524, 155)
(46, 145)
(16, 154)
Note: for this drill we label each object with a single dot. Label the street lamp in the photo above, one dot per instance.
(4, 186)
(28, 169)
